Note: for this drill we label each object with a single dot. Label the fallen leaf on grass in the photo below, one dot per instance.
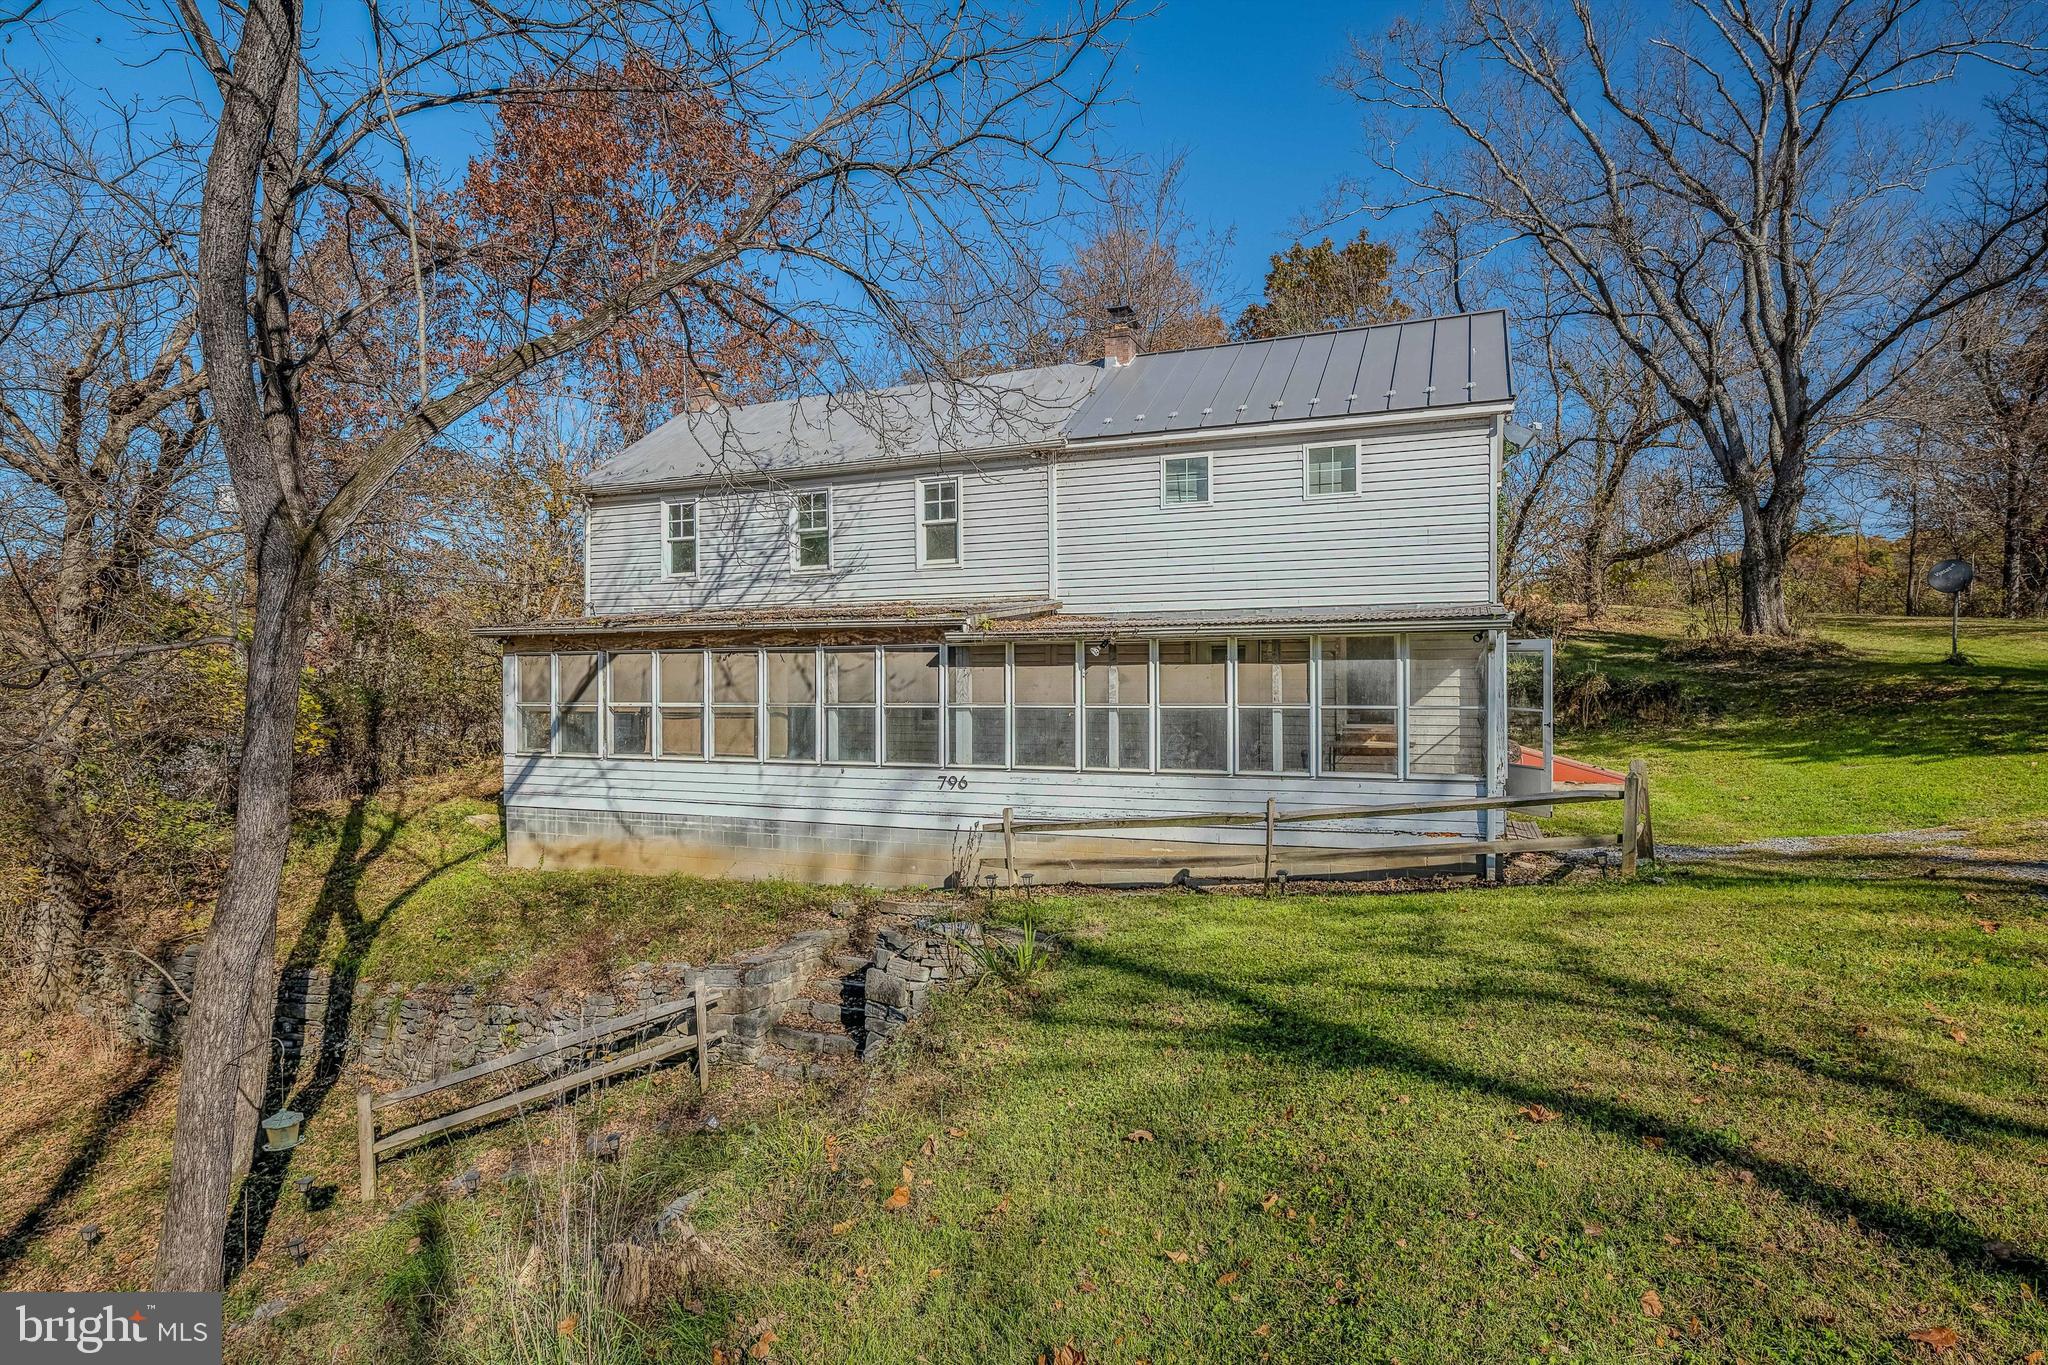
(1989, 926)
(1960, 1035)
(1264, 1329)
(2034, 1358)
(930, 1148)
(1537, 1113)
(1655, 1144)
(1227, 1277)
(763, 1344)
(1068, 1354)
(898, 1198)
(566, 1327)
(1941, 1339)
(1653, 1306)
(1002, 1206)
(956, 1132)
(1266, 1204)
(841, 1229)
(1178, 1257)
(1139, 1135)
(1594, 1229)
(935, 1272)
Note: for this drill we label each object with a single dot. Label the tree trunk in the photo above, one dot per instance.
(56, 938)
(226, 1042)
(1593, 565)
(1913, 548)
(1764, 552)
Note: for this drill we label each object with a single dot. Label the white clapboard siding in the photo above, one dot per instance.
(744, 549)
(1419, 529)
(916, 799)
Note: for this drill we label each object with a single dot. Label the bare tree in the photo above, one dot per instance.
(1735, 195)
(861, 139)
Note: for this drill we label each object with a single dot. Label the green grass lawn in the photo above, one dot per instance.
(1753, 1113)
(1884, 737)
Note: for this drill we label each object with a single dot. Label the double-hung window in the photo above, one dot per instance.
(976, 698)
(812, 518)
(793, 704)
(1184, 480)
(735, 703)
(1361, 704)
(850, 705)
(682, 702)
(1332, 471)
(1194, 712)
(679, 538)
(631, 683)
(536, 702)
(1272, 706)
(1045, 705)
(576, 692)
(910, 705)
(938, 521)
(1117, 704)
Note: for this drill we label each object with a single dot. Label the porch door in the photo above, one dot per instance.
(1529, 721)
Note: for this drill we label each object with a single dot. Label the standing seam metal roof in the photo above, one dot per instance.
(1423, 364)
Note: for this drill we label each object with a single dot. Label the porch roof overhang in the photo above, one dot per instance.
(1008, 619)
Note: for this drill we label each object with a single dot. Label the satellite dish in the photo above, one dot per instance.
(1951, 575)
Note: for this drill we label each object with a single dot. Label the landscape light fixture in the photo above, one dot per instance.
(1953, 576)
(90, 1234)
(604, 1146)
(282, 1130)
(297, 1250)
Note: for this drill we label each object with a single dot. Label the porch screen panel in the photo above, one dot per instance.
(681, 683)
(576, 693)
(850, 705)
(1116, 706)
(1194, 716)
(1446, 705)
(631, 700)
(1361, 704)
(736, 703)
(1272, 706)
(910, 705)
(536, 699)
(1045, 705)
(793, 704)
(977, 693)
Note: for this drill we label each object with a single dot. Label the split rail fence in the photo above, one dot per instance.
(370, 1145)
(1636, 839)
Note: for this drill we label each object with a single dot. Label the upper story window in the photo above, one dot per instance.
(1332, 471)
(814, 530)
(1184, 480)
(679, 538)
(938, 521)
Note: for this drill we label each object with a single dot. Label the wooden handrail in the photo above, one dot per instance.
(1566, 797)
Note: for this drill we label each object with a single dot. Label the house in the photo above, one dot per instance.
(834, 638)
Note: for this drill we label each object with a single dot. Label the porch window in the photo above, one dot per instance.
(631, 698)
(536, 699)
(735, 703)
(679, 538)
(1184, 480)
(1045, 705)
(850, 705)
(910, 705)
(1117, 704)
(1194, 714)
(1361, 704)
(976, 697)
(1272, 706)
(682, 702)
(814, 530)
(793, 704)
(1446, 705)
(576, 691)
(938, 518)
(1332, 471)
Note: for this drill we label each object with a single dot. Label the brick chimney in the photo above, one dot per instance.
(1120, 344)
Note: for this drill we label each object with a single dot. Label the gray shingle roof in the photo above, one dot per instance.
(1423, 364)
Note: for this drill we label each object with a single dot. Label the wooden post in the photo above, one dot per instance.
(1648, 843)
(703, 1036)
(1272, 811)
(1631, 816)
(366, 1146)
(1009, 848)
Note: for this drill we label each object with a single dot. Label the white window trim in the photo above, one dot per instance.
(959, 523)
(702, 705)
(1308, 493)
(796, 566)
(1208, 482)
(612, 706)
(695, 537)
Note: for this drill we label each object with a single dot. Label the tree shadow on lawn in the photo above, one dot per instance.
(1300, 1038)
(256, 1201)
(101, 1132)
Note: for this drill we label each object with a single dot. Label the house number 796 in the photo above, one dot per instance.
(949, 782)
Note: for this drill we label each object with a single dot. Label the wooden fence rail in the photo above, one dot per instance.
(1634, 841)
(370, 1145)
